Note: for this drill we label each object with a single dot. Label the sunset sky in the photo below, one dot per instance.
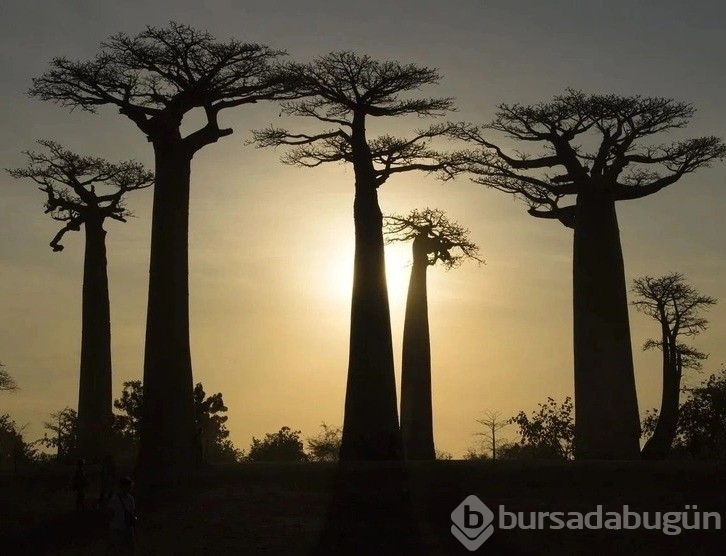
(271, 246)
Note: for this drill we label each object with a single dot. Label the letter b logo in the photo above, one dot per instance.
(472, 518)
(472, 522)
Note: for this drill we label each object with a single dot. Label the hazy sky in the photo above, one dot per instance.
(271, 246)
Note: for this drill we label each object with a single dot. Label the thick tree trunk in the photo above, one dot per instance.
(607, 422)
(94, 394)
(166, 449)
(370, 427)
(416, 411)
(658, 445)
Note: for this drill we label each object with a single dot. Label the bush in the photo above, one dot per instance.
(284, 445)
(325, 446)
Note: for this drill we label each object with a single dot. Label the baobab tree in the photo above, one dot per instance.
(597, 150)
(344, 91)
(435, 239)
(156, 78)
(82, 192)
(677, 306)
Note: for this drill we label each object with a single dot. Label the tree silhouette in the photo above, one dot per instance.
(7, 382)
(597, 149)
(63, 429)
(492, 423)
(676, 306)
(284, 445)
(216, 446)
(343, 91)
(548, 433)
(85, 191)
(702, 418)
(435, 240)
(326, 445)
(701, 427)
(14, 450)
(155, 79)
(127, 424)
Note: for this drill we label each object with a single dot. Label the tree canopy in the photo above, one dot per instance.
(447, 242)
(157, 76)
(677, 306)
(70, 182)
(589, 141)
(284, 445)
(340, 89)
(701, 420)
(548, 432)
(62, 433)
(326, 445)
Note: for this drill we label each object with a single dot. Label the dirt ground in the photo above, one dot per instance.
(372, 509)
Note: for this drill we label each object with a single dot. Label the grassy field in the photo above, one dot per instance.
(378, 509)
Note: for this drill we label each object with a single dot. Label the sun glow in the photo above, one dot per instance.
(337, 278)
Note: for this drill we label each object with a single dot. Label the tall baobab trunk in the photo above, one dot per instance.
(370, 425)
(370, 428)
(416, 411)
(167, 431)
(658, 445)
(94, 393)
(606, 408)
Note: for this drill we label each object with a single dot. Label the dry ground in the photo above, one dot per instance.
(380, 509)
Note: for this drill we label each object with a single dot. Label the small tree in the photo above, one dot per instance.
(598, 151)
(155, 79)
(435, 239)
(13, 448)
(127, 423)
(131, 406)
(344, 92)
(549, 432)
(326, 445)
(701, 420)
(677, 307)
(284, 445)
(62, 434)
(216, 446)
(7, 382)
(84, 191)
(213, 440)
(492, 423)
